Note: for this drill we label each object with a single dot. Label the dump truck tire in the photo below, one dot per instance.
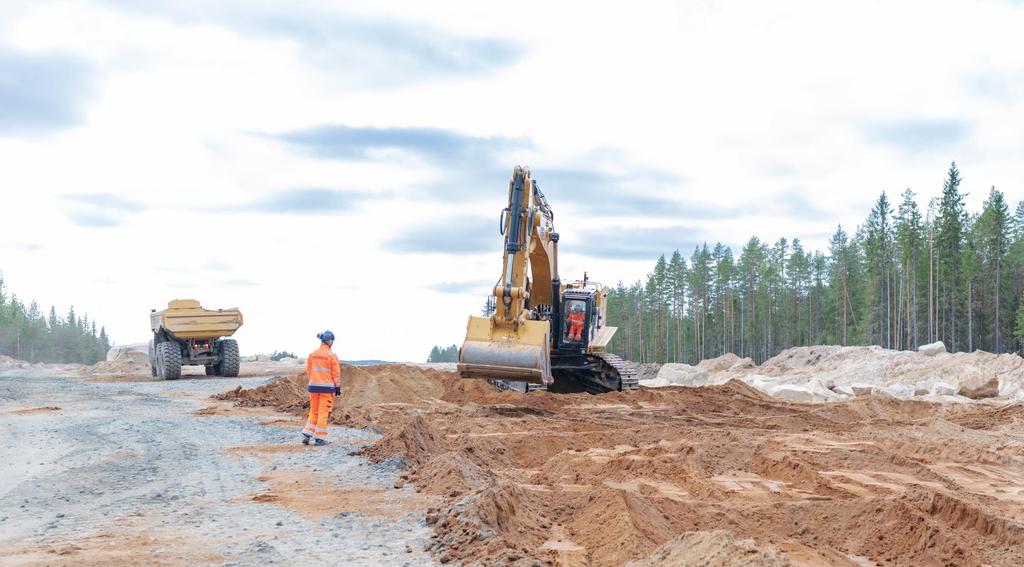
(170, 357)
(230, 362)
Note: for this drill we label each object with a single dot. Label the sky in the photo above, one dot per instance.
(342, 166)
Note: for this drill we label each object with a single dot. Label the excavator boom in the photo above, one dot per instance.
(510, 344)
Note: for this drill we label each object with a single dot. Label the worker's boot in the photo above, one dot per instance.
(305, 439)
(321, 442)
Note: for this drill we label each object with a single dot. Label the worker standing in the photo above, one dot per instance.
(324, 372)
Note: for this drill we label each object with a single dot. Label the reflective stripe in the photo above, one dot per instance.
(321, 369)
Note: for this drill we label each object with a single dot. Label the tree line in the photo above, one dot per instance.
(27, 333)
(903, 278)
(444, 354)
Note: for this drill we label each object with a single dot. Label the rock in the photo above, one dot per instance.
(810, 393)
(940, 388)
(844, 389)
(932, 349)
(862, 389)
(766, 384)
(655, 383)
(684, 375)
(898, 391)
(979, 386)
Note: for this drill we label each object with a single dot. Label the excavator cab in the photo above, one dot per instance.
(579, 318)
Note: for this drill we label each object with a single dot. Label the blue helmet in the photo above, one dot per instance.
(325, 336)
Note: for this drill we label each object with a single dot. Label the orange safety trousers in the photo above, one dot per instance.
(576, 331)
(575, 326)
(320, 406)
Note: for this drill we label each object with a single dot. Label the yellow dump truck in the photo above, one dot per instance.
(185, 334)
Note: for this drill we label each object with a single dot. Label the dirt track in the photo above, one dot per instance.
(604, 480)
(157, 473)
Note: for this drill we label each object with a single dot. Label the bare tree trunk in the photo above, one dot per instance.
(845, 303)
(931, 262)
(999, 323)
(970, 317)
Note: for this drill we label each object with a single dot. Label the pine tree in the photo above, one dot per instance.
(899, 280)
(949, 240)
(993, 229)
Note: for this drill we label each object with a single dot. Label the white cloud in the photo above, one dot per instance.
(727, 119)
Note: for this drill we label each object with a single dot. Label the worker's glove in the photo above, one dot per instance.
(337, 390)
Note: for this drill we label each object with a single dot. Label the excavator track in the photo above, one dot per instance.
(627, 371)
(596, 373)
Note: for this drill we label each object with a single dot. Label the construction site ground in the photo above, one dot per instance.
(445, 470)
(143, 472)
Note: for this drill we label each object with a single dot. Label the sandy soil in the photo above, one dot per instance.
(315, 497)
(719, 475)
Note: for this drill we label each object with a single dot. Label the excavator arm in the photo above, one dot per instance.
(514, 343)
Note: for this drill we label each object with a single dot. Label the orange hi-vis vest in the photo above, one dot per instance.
(324, 370)
(576, 317)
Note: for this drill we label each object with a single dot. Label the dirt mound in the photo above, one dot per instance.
(712, 549)
(834, 373)
(647, 370)
(681, 475)
(118, 368)
(391, 384)
(975, 375)
(287, 394)
(727, 362)
(136, 354)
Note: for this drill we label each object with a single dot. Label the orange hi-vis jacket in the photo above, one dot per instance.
(324, 370)
(576, 318)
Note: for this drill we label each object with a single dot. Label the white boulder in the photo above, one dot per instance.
(684, 375)
(931, 349)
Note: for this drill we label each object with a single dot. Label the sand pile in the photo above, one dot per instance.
(117, 368)
(384, 388)
(7, 362)
(123, 360)
(832, 373)
(712, 549)
(724, 474)
(15, 368)
(137, 353)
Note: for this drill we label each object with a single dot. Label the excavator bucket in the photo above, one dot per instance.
(499, 351)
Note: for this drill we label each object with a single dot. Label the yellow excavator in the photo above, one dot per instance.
(543, 334)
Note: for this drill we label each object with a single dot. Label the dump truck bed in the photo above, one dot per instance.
(187, 320)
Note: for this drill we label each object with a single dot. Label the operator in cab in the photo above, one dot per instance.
(576, 322)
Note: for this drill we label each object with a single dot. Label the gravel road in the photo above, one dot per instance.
(125, 473)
